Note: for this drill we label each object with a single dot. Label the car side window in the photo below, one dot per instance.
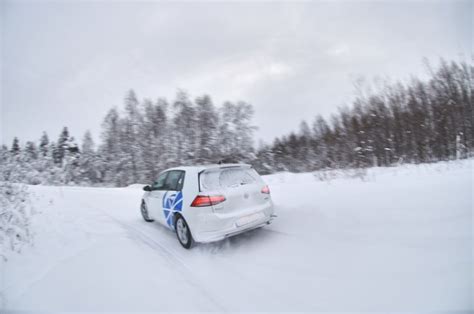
(174, 181)
(160, 183)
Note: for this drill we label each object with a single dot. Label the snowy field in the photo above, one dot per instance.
(398, 240)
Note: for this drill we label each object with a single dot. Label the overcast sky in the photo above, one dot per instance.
(66, 64)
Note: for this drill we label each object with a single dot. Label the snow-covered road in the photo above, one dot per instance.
(401, 240)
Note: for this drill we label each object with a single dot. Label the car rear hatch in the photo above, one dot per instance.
(241, 186)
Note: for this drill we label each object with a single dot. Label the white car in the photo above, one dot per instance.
(208, 203)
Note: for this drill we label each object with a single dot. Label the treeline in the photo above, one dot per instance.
(137, 143)
(419, 121)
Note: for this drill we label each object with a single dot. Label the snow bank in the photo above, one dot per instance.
(370, 174)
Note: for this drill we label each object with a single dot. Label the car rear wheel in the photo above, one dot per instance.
(144, 211)
(183, 233)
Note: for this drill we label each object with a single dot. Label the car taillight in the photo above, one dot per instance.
(204, 200)
(265, 190)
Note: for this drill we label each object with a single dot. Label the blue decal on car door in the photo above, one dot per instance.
(172, 202)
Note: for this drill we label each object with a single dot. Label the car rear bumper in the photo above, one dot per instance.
(215, 227)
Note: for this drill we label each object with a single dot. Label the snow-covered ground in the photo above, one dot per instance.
(399, 240)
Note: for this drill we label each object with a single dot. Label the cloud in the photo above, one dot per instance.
(233, 78)
(290, 60)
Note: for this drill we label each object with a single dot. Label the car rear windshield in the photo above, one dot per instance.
(216, 179)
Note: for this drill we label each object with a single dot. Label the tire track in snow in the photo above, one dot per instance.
(277, 232)
(172, 259)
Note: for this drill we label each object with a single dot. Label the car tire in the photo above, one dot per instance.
(144, 211)
(182, 232)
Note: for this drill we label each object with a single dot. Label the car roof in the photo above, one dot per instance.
(199, 168)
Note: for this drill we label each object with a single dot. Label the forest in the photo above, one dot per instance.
(418, 121)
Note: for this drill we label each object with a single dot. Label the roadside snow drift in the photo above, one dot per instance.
(399, 239)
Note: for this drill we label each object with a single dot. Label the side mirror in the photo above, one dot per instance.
(147, 188)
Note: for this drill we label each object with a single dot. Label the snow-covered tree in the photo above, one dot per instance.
(207, 122)
(61, 146)
(184, 127)
(89, 163)
(236, 131)
(15, 150)
(44, 144)
(15, 218)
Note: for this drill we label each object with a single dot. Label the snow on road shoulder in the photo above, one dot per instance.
(396, 239)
